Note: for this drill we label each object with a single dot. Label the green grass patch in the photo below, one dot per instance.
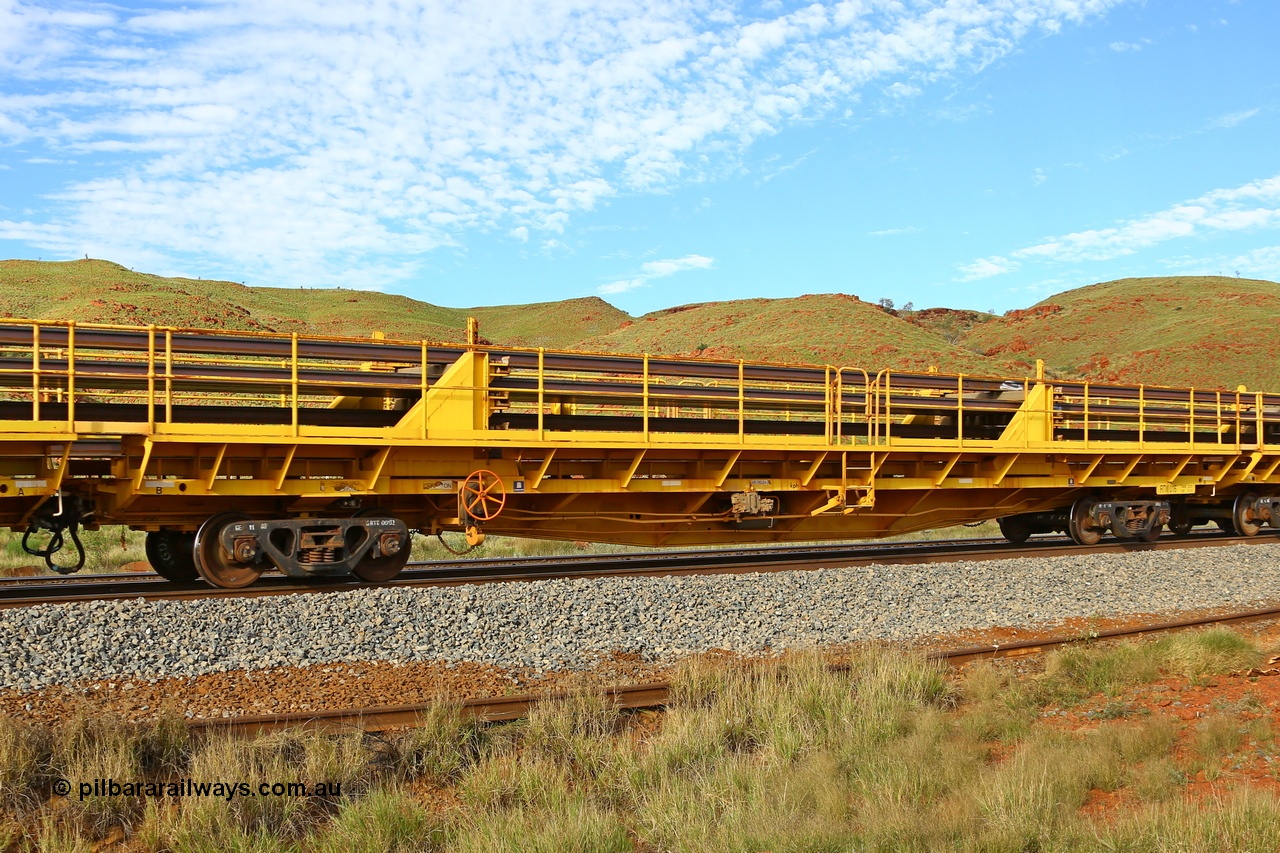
(889, 752)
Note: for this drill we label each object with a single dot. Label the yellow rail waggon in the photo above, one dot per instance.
(243, 452)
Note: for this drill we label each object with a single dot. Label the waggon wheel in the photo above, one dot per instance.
(1078, 526)
(377, 567)
(1014, 528)
(172, 554)
(214, 564)
(1244, 520)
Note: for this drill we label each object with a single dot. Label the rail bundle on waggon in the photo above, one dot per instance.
(240, 453)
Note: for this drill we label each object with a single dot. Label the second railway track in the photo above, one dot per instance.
(656, 694)
(19, 592)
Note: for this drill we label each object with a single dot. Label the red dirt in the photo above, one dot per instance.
(312, 688)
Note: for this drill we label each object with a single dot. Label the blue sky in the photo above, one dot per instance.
(969, 154)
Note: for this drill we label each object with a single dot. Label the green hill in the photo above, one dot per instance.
(1205, 331)
(1201, 331)
(821, 329)
(104, 292)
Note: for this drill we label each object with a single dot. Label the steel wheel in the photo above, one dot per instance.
(214, 564)
(483, 495)
(1151, 535)
(1078, 526)
(1243, 518)
(172, 554)
(1014, 528)
(377, 567)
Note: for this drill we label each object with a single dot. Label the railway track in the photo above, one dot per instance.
(20, 592)
(656, 694)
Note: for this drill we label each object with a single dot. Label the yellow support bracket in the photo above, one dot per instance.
(1088, 472)
(946, 470)
(1179, 467)
(1128, 469)
(217, 464)
(812, 470)
(379, 462)
(142, 467)
(1270, 471)
(283, 473)
(1254, 459)
(1222, 472)
(1003, 467)
(632, 468)
(728, 467)
(536, 479)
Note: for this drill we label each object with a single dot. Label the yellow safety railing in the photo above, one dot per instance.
(61, 367)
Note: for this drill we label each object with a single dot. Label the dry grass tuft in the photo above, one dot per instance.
(887, 753)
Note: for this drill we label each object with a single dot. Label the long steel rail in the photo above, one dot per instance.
(21, 592)
(657, 694)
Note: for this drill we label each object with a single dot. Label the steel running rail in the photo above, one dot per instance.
(26, 592)
(655, 694)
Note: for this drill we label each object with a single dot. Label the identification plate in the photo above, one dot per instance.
(1176, 489)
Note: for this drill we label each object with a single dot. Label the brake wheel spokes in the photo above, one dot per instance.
(483, 495)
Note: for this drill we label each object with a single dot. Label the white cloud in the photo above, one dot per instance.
(893, 232)
(621, 286)
(1232, 119)
(313, 137)
(986, 268)
(775, 171)
(657, 269)
(1262, 262)
(521, 234)
(1250, 206)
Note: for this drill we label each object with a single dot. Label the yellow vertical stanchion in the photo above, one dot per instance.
(960, 410)
(645, 394)
(1086, 415)
(1142, 417)
(742, 405)
(151, 378)
(1261, 423)
(293, 379)
(1218, 416)
(838, 406)
(888, 407)
(424, 388)
(168, 376)
(71, 376)
(542, 433)
(35, 371)
(829, 428)
(1191, 418)
(1239, 443)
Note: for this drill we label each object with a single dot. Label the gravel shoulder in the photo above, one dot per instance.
(484, 640)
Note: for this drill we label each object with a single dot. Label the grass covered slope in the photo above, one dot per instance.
(1141, 747)
(1204, 331)
(829, 328)
(1209, 332)
(104, 292)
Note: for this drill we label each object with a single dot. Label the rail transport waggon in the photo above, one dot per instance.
(243, 452)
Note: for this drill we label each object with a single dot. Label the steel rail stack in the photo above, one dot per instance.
(241, 452)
